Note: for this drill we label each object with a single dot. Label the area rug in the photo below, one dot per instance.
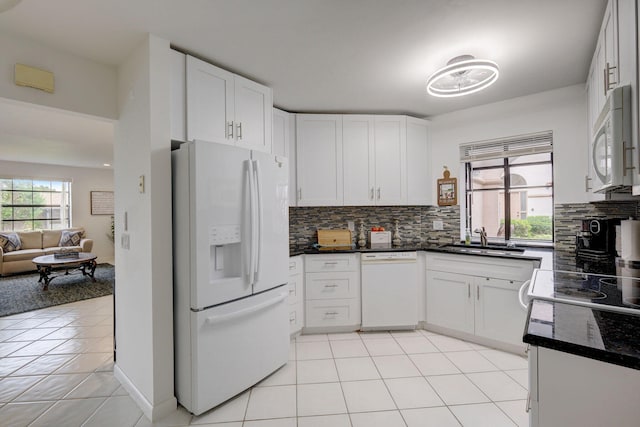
(22, 292)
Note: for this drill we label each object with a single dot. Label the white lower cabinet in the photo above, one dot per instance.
(449, 302)
(570, 390)
(498, 314)
(332, 293)
(296, 294)
(477, 296)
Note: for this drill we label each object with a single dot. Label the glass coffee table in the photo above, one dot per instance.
(85, 262)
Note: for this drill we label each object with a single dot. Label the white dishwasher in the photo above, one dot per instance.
(389, 290)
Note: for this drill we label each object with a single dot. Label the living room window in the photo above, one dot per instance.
(35, 204)
(509, 188)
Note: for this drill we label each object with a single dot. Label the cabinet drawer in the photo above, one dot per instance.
(295, 265)
(295, 289)
(322, 263)
(332, 285)
(499, 268)
(332, 313)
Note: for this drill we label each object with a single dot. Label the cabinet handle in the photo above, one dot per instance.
(229, 130)
(372, 193)
(330, 262)
(587, 187)
(608, 84)
(378, 193)
(468, 290)
(528, 407)
(330, 313)
(239, 130)
(330, 286)
(478, 292)
(300, 193)
(624, 158)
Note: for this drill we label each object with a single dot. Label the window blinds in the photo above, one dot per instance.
(541, 142)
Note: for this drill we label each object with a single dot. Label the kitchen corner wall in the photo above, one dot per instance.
(415, 222)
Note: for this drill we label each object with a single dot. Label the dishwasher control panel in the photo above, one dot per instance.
(389, 256)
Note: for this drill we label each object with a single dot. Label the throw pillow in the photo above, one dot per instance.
(70, 238)
(10, 242)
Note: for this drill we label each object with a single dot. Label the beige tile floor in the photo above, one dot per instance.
(56, 369)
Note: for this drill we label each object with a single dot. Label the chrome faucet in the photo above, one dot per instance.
(483, 236)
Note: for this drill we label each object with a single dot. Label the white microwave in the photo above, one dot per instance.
(611, 146)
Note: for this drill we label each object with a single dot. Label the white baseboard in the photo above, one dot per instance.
(152, 412)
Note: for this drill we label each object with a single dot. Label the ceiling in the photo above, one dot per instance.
(366, 56)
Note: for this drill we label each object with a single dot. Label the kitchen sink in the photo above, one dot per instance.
(477, 249)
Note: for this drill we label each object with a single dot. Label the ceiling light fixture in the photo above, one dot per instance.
(8, 4)
(463, 75)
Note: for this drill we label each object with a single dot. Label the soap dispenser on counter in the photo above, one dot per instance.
(396, 235)
(362, 240)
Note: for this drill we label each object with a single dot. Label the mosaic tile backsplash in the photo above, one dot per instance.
(416, 222)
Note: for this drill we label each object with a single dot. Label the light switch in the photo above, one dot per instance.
(141, 184)
(124, 241)
(438, 225)
(351, 226)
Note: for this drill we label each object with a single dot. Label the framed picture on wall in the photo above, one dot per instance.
(102, 203)
(447, 190)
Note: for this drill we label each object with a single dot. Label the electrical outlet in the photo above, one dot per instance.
(438, 225)
(351, 226)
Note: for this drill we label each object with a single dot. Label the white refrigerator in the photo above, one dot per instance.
(230, 234)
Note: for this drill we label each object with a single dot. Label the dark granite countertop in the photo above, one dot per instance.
(328, 250)
(589, 332)
(541, 254)
(545, 256)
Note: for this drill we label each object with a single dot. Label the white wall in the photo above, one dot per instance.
(81, 85)
(564, 111)
(84, 180)
(144, 283)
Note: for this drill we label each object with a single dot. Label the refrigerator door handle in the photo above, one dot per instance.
(252, 212)
(245, 312)
(259, 221)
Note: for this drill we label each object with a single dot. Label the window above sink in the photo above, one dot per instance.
(509, 189)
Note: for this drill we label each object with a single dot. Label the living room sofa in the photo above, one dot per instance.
(36, 243)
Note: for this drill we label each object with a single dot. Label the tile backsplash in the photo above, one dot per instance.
(416, 222)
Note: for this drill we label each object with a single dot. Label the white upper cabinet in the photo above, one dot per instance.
(284, 131)
(361, 160)
(358, 150)
(374, 151)
(614, 63)
(178, 95)
(419, 180)
(209, 102)
(319, 159)
(281, 145)
(253, 109)
(390, 135)
(226, 108)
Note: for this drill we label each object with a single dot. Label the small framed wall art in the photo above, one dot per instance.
(102, 203)
(447, 189)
